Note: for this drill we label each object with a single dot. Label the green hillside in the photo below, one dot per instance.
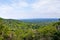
(11, 29)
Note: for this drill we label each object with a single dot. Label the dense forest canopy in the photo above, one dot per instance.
(11, 29)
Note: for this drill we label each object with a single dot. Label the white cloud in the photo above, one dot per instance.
(10, 12)
(39, 4)
(5, 8)
(46, 9)
(13, 10)
(23, 4)
(19, 4)
(40, 9)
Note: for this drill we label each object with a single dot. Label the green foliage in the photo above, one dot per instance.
(18, 30)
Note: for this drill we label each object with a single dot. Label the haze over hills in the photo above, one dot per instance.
(41, 20)
(35, 20)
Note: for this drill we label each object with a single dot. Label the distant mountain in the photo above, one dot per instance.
(41, 20)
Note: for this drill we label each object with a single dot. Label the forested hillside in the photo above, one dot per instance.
(11, 29)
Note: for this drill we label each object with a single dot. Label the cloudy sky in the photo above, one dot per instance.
(23, 9)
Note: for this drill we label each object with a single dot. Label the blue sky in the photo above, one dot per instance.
(25, 9)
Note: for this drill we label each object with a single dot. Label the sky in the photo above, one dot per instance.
(26, 9)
